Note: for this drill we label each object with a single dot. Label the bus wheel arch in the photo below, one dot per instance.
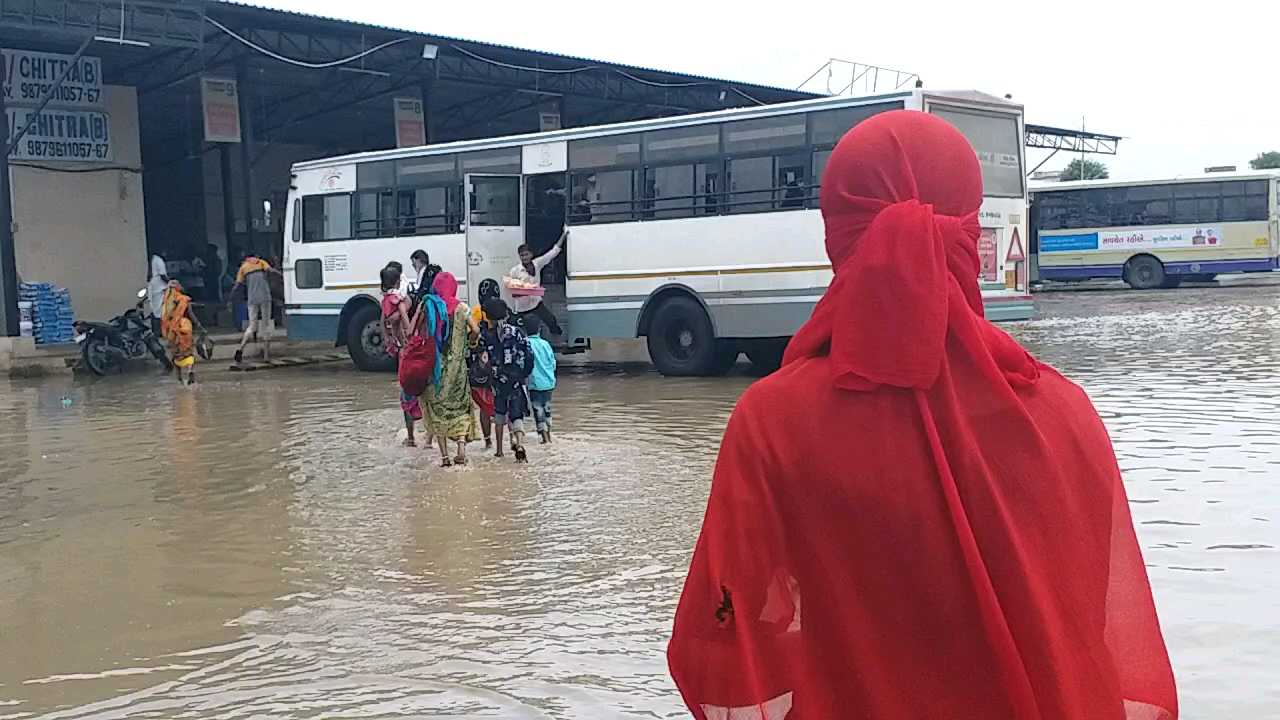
(360, 330)
(1144, 272)
(680, 333)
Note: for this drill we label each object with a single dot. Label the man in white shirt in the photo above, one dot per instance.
(529, 273)
(157, 282)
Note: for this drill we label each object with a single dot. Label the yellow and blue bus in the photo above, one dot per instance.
(1156, 233)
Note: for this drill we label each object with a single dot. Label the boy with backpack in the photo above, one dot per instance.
(480, 367)
(542, 382)
(513, 363)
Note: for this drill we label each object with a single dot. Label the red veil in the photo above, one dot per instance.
(914, 518)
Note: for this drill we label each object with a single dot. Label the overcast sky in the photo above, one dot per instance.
(1187, 84)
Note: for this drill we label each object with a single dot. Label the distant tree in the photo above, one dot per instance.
(1266, 161)
(1085, 170)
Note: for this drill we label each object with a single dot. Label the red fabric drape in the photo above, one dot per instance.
(914, 518)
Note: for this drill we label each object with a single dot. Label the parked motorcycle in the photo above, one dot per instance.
(107, 346)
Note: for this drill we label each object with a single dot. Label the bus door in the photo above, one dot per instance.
(494, 227)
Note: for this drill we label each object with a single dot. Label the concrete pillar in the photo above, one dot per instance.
(246, 156)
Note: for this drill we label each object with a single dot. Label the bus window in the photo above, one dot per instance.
(772, 133)
(600, 197)
(669, 191)
(502, 160)
(425, 211)
(495, 201)
(750, 185)
(375, 213)
(793, 180)
(826, 127)
(685, 143)
(326, 217)
(706, 183)
(607, 151)
(996, 140)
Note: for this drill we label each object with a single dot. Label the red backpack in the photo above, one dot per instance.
(417, 365)
(419, 358)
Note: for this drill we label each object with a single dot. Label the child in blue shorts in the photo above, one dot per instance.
(542, 381)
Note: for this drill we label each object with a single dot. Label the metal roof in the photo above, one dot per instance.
(796, 94)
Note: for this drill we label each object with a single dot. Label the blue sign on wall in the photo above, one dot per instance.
(1068, 243)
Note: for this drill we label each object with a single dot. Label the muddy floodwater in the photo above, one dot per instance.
(262, 547)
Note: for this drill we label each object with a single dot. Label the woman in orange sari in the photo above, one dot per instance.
(178, 326)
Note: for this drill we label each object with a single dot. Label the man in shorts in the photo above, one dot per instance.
(513, 363)
(253, 275)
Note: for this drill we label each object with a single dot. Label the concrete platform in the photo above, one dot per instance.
(21, 357)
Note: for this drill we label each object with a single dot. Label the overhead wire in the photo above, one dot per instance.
(473, 55)
(302, 63)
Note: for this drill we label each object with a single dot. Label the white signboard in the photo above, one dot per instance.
(411, 128)
(76, 135)
(30, 75)
(221, 103)
(1159, 238)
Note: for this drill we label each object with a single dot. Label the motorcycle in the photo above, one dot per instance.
(108, 346)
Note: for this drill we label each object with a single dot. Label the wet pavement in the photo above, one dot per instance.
(262, 547)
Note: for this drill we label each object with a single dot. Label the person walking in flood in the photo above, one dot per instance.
(449, 417)
(514, 362)
(480, 366)
(157, 285)
(396, 322)
(253, 275)
(542, 382)
(177, 324)
(966, 550)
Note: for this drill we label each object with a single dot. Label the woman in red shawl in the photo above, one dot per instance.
(964, 548)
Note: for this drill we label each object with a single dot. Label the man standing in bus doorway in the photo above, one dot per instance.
(529, 275)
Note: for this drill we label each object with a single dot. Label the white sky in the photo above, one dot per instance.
(1187, 84)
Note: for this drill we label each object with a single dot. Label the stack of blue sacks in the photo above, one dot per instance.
(51, 316)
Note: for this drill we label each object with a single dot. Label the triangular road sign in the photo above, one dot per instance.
(1016, 253)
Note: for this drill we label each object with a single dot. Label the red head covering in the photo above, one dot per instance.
(913, 518)
(900, 202)
(446, 286)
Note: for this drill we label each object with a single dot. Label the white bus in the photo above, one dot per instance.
(1157, 233)
(700, 233)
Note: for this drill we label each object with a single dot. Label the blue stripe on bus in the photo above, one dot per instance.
(1079, 272)
(1068, 243)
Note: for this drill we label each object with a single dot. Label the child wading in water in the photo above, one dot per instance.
(480, 369)
(514, 362)
(395, 331)
(543, 380)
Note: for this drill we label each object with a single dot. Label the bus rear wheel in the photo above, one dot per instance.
(681, 340)
(1144, 273)
(364, 340)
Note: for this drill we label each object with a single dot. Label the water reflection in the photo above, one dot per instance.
(262, 546)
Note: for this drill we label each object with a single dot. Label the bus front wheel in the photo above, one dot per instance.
(681, 340)
(1144, 273)
(364, 340)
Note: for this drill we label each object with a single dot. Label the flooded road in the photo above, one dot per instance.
(262, 547)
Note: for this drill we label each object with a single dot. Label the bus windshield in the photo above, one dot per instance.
(996, 139)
